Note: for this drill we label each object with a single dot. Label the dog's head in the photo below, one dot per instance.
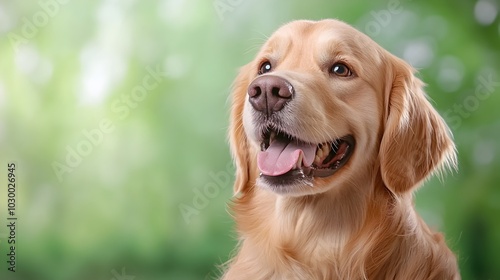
(322, 105)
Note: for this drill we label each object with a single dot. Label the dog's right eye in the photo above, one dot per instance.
(265, 67)
(341, 70)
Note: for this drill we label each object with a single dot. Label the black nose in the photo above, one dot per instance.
(268, 94)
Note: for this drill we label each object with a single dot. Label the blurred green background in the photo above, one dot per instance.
(115, 113)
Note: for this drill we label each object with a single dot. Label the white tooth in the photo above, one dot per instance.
(319, 152)
(326, 149)
(317, 160)
(299, 161)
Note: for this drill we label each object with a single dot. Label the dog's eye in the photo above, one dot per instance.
(341, 70)
(265, 67)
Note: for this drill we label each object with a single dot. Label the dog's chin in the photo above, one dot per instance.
(295, 183)
(299, 186)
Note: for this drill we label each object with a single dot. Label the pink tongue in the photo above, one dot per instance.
(282, 155)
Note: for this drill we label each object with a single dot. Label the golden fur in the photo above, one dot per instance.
(360, 222)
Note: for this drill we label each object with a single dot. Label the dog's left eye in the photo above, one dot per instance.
(265, 67)
(341, 70)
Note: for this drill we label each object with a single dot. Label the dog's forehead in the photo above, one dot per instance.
(324, 30)
(323, 35)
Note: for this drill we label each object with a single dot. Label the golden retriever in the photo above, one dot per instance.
(331, 134)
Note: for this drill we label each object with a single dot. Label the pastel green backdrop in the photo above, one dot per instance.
(116, 112)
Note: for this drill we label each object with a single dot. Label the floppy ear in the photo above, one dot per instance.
(237, 139)
(416, 140)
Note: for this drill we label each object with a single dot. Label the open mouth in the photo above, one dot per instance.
(285, 159)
